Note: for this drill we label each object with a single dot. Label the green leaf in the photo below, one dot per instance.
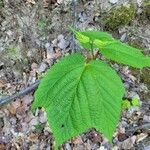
(78, 96)
(125, 54)
(112, 49)
(93, 39)
(147, 61)
(126, 104)
(135, 102)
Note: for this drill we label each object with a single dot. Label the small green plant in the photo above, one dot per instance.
(39, 128)
(13, 52)
(126, 104)
(1, 3)
(41, 24)
(79, 93)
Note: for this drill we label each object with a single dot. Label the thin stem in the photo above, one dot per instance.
(96, 55)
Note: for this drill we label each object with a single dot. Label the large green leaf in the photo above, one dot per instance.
(112, 49)
(78, 96)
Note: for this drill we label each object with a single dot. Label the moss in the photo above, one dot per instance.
(13, 52)
(147, 9)
(1, 3)
(119, 16)
(41, 24)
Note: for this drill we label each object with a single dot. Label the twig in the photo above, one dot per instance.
(92, 51)
(7, 99)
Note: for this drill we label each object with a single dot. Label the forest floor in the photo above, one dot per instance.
(35, 34)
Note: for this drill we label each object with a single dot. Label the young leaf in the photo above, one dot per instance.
(135, 102)
(78, 96)
(93, 39)
(112, 49)
(126, 104)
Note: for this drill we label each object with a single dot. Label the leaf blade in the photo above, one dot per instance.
(86, 38)
(82, 99)
(112, 49)
(125, 54)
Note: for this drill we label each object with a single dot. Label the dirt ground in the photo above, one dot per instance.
(34, 34)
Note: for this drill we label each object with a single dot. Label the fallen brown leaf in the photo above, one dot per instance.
(33, 137)
(13, 107)
(2, 147)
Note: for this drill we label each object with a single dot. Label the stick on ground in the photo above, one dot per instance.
(7, 99)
